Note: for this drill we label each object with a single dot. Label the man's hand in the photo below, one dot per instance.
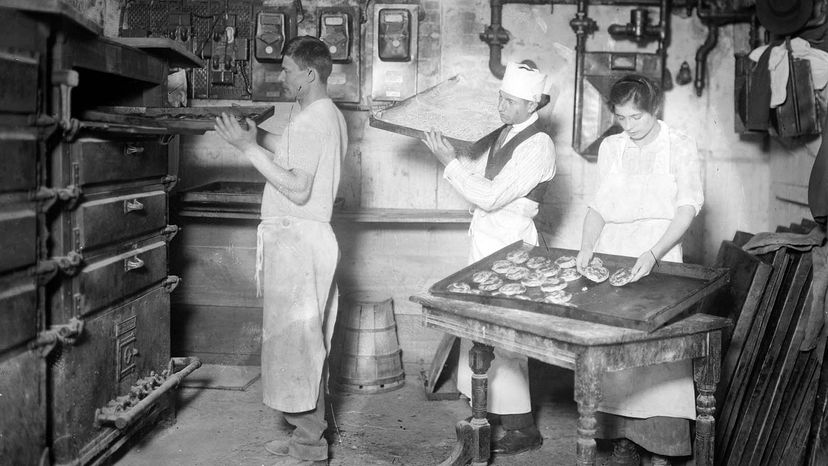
(229, 129)
(439, 146)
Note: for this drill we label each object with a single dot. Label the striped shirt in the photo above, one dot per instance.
(532, 162)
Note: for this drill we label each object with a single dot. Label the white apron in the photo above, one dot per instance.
(509, 373)
(298, 259)
(634, 208)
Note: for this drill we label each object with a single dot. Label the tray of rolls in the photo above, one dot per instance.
(539, 279)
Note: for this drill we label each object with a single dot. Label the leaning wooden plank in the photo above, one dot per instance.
(438, 364)
(794, 450)
(778, 372)
(818, 439)
(735, 390)
(767, 353)
(749, 277)
(781, 426)
(734, 401)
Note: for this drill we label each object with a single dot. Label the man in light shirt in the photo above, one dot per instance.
(506, 186)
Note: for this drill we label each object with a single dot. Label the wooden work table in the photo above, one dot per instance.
(589, 349)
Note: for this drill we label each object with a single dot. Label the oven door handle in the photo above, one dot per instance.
(132, 149)
(133, 205)
(133, 263)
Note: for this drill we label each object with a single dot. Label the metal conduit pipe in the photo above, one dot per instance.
(582, 25)
(701, 57)
(714, 19)
(496, 36)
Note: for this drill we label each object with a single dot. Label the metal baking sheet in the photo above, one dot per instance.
(225, 192)
(465, 113)
(186, 120)
(670, 290)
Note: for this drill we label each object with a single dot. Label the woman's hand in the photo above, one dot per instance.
(439, 146)
(229, 129)
(582, 261)
(643, 266)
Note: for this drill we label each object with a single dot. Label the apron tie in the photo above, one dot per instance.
(266, 221)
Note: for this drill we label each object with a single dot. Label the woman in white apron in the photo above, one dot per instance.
(649, 191)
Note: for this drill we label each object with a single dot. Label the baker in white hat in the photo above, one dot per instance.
(506, 186)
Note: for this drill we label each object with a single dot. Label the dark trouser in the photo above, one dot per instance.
(517, 421)
(307, 441)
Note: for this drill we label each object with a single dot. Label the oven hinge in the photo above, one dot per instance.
(48, 196)
(169, 182)
(171, 283)
(45, 270)
(170, 231)
(66, 80)
(65, 334)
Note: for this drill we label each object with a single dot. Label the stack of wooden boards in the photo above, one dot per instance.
(772, 397)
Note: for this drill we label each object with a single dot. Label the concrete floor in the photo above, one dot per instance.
(225, 427)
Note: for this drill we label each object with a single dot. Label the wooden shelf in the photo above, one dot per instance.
(172, 51)
(429, 216)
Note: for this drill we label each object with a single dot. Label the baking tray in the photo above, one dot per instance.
(225, 192)
(466, 114)
(184, 120)
(670, 290)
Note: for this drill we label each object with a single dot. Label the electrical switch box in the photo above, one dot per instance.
(394, 74)
(270, 36)
(335, 31)
(338, 28)
(274, 28)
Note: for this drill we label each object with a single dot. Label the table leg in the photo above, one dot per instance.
(706, 376)
(588, 371)
(474, 437)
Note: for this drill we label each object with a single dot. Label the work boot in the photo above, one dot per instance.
(278, 447)
(659, 460)
(624, 453)
(517, 441)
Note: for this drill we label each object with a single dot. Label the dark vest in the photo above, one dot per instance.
(498, 158)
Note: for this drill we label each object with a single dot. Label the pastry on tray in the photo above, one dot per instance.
(491, 284)
(517, 272)
(621, 277)
(565, 262)
(537, 261)
(483, 275)
(596, 273)
(518, 256)
(569, 274)
(558, 297)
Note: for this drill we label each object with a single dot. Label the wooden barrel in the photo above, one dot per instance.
(368, 352)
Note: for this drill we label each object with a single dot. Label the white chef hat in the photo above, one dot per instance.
(523, 81)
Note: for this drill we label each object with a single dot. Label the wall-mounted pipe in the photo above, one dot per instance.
(582, 25)
(701, 57)
(713, 19)
(496, 36)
